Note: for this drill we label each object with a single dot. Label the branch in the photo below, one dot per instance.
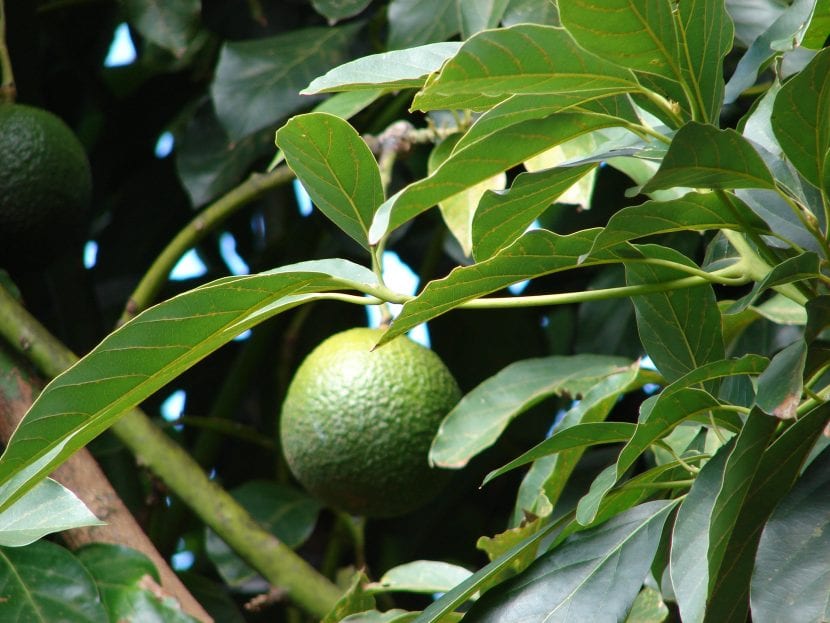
(278, 563)
(8, 91)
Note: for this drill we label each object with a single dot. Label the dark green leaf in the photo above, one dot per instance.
(702, 156)
(49, 507)
(170, 25)
(502, 217)
(483, 414)
(474, 162)
(416, 22)
(524, 59)
(122, 577)
(420, 576)
(582, 580)
(480, 15)
(45, 583)
(819, 28)
(150, 350)
(397, 69)
(782, 220)
(679, 329)
(258, 82)
(790, 580)
(780, 386)
(335, 10)
(778, 469)
(287, 513)
(694, 211)
(337, 169)
(818, 317)
(801, 118)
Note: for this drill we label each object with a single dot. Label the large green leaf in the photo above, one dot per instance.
(819, 28)
(481, 15)
(150, 350)
(287, 513)
(49, 507)
(502, 217)
(44, 583)
(121, 576)
(483, 414)
(679, 329)
(530, 12)
(782, 383)
(257, 82)
(398, 69)
(693, 211)
(416, 22)
(790, 580)
(801, 118)
(702, 156)
(525, 59)
(778, 469)
(473, 162)
(421, 576)
(337, 169)
(594, 576)
(170, 25)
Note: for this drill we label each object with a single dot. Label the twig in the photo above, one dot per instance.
(8, 90)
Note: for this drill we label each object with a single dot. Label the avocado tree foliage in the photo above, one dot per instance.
(655, 174)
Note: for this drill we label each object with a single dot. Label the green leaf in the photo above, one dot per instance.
(481, 15)
(527, 59)
(649, 607)
(335, 10)
(502, 217)
(577, 436)
(801, 118)
(44, 583)
(702, 156)
(150, 350)
(790, 580)
(420, 576)
(337, 169)
(394, 615)
(797, 268)
(354, 600)
(780, 386)
(287, 513)
(784, 34)
(693, 211)
(778, 469)
(530, 12)
(819, 28)
(416, 22)
(398, 69)
(49, 507)
(581, 580)
(483, 414)
(122, 576)
(680, 329)
(258, 81)
(169, 25)
(473, 162)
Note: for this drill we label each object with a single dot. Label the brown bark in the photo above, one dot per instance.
(82, 475)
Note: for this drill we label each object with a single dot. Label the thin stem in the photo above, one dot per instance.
(666, 107)
(255, 186)
(809, 224)
(8, 90)
(715, 428)
(735, 278)
(688, 467)
(668, 484)
(279, 564)
(643, 130)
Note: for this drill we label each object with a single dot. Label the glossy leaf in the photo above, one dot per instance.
(778, 469)
(502, 217)
(483, 414)
(790, 581)
(524, 59)
(679, 329)
(585, 578)
(819, 28)
(170, 25)
(693, 211)
(122, 576)
(416, 22)
(335, 10)
(474, 162)
(150, 350)
(49, 507)
(480, 15)
(421, 576)
(780, 386)
(337, 169)
(801, 118)
(44, 583)
(702, 156)
(398, 69)
(258, 81)
(287, 513)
